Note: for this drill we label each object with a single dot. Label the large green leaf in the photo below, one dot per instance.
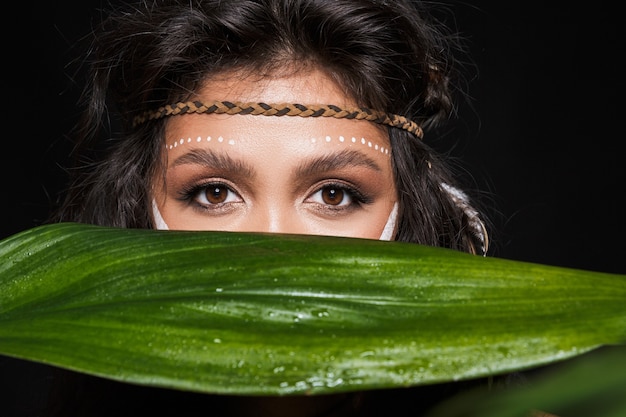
(589, 385)
(286, 314)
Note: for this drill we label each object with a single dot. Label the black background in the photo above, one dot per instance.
(540, 134)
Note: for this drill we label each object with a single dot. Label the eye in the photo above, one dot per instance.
(333, 195)
(337, 196)
(214, 194)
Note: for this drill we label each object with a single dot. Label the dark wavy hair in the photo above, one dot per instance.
(386, 55)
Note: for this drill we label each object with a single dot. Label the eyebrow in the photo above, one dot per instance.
(212, 159)
(343, 159)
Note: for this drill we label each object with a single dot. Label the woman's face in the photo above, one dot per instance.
(279, 174)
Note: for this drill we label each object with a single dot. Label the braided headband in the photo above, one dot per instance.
(282, 109)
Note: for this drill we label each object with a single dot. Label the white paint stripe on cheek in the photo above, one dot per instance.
(159, 223)
(390, 227)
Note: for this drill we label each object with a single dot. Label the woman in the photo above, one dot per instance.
(282, 116)
(341, 53)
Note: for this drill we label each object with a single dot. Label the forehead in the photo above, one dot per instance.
(271, 136)
(288, 134)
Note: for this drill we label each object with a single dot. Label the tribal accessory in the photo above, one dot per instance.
(461, 200)
(282, 109)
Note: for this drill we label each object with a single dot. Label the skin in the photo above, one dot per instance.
(276, 174)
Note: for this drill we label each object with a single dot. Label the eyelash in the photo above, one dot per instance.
(358, 199)
(190, 194)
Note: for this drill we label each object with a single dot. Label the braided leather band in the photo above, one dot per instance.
(282, 109)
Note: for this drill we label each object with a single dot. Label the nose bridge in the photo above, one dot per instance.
(274, 220)
(275, 217)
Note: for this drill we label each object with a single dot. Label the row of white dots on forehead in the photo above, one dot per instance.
(362, 141)
(181, 142)
(327, 139)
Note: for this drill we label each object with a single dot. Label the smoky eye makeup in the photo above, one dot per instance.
(338, 196)
(215, 192)
(207, 178)
(208, 195)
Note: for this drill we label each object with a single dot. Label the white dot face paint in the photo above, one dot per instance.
(276, 174)
(327, 139)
